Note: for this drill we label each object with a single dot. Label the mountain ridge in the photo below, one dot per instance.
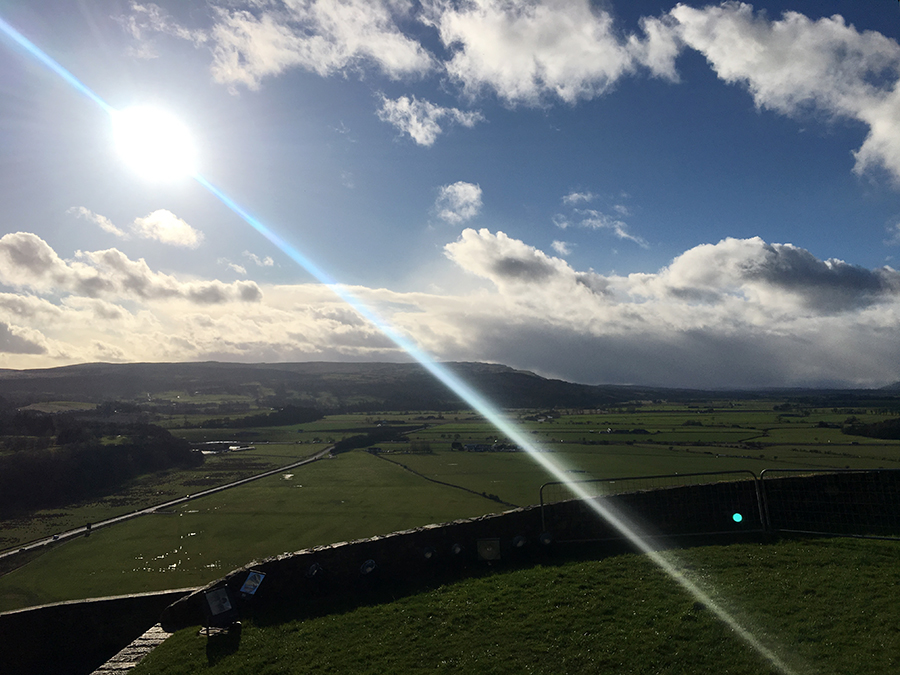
(348, 386)
(331, 385)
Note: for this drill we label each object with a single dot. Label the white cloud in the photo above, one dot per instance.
(593, 219)
(736, 313)
(164, 226)
(160, 225)
(518, 269)
(323, 36)
(561, 247)
(458, 202)
(420, 118)
(893, 235)
(795, 65)
(259, 262)
(28, 262)
(102, 222)
(535, 51)
(27, 307)
(740, 312)
(775, 276)
(658, 50)
(527, 50)
(575, 197)
(145, 20)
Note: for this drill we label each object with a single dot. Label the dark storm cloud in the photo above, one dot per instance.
(827, 286)
(521, 269)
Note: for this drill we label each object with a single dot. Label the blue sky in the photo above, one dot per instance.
(611, 192)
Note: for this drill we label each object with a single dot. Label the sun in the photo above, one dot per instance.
(154, 143)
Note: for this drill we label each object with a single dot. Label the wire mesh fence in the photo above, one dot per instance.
(842, 502)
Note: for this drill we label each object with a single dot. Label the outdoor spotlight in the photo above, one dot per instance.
(456, 549)
(519, 542)
(429, 553)
(367, 567)
(489, 549)
(546, 538)
(314, 570)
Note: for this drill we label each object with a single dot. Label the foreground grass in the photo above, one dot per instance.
(825, 606)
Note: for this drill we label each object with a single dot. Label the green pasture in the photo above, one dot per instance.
(153, 489)
(820, 606)
(59, 406)
(183, 396)
(517, 478)
(357, 494)
(351, 496)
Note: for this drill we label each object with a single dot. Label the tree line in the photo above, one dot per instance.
(289, 414)
(91, 463)
(887, 429)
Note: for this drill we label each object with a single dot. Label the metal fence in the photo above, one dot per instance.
(837, 502)
(842, 502)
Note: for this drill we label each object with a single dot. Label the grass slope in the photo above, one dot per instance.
(825, 606)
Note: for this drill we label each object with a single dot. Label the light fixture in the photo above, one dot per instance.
(488, 549)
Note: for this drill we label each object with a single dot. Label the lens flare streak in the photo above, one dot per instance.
(613, 517)
(42, 57)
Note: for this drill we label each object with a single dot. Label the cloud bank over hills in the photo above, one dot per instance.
(740, 312)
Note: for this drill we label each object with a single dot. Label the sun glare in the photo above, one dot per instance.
(154, 143)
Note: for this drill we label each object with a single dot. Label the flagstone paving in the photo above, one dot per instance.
(129, 657)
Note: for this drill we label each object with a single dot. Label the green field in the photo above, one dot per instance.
(352, 496)
(358, 494)
(822, 606)
(154, 489)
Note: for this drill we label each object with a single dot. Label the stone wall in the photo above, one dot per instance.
(72, 638)
(321, 580)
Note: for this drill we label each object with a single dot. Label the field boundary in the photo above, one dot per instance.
(494, 498)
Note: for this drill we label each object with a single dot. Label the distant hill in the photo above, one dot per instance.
(328, 386)
(332, 387)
